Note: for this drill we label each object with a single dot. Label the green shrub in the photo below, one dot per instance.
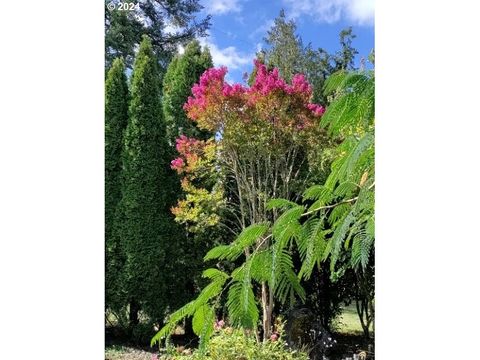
(234, 344)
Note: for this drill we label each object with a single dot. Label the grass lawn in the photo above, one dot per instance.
(348, 322)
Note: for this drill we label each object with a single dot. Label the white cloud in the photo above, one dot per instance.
(218, 7)
(360, 12)
(229, 56)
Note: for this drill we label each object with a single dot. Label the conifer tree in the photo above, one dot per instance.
(124, 29)
(285, 48)
(182, 73)
(116, 118)
(144, 224)
(285, 51)
(189, 248)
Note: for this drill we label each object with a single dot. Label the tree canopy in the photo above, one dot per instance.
(167, 23)
(182, 73)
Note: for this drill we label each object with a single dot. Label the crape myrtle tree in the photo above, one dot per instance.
(266, 130)
(167, 23)
(144, 224)
(184, 71)
(116, 118)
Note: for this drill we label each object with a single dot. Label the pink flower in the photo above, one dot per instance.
(236, 89)
(274, 337)
(210, 79)
(186, 145)
(300, 84)
(219, 324)
(317, 110)
(177, 163)
(267, 81)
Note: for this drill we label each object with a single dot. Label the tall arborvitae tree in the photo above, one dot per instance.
(145, 222)
(189, 248)
(116, 118)
(182, 73)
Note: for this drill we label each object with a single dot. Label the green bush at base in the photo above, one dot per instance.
(233, 344)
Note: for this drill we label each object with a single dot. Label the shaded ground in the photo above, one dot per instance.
(349, 336)
(118, 352)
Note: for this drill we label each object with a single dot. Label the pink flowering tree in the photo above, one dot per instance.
(264, 135)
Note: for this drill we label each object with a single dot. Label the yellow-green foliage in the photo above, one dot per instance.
(233, 344)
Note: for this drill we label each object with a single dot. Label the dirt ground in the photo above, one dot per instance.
(128, 353)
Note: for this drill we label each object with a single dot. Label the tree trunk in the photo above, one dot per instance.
(267, 313)
(133, 314)
(362, 309)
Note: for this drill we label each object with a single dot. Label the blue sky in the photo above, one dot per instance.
(238, 27)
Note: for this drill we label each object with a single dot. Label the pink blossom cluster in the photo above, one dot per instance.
(188, 149)
(177, 164)
(186, 145)
(212, 93)
(219, 324)
(300, 85)
(317, 110)
(236, 89)
(269, 81)
(211, 79)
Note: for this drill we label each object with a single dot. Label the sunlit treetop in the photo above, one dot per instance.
(266, 109)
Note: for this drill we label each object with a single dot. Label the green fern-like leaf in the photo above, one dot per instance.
(210, 291)
(338, 114)
(311, 247)
(336, 241)
(287, 225)
(215, 274)
(280, 204)
(199, 318)
(338, 212)
(218, 252)
(241, 304)
(246, 238)
(346, 189)
(334, 81)
(261, 265)
(361, 248)
(206, 330)
(288, 283)
(317, 192)
(185, 311)
(364, 144)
